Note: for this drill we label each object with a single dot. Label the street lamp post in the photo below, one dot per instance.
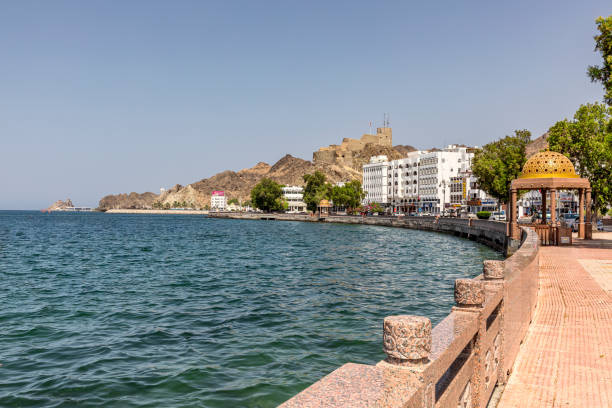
(443, 185)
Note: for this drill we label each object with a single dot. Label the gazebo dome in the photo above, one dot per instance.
(548, 164)
(324, 203)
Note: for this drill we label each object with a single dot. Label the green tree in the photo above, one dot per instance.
(586, 141)
(355, 193)
(316, 189)
(233, 201)
(603, 44)
(500, 162)
(267, 195)
(348, 196)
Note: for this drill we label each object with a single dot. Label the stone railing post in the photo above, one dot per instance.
(494, 273)
(407, 339)
(493, 270)
(469, 293)
(470, 297)
(407, 344)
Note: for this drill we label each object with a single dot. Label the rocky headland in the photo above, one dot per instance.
(60, 205)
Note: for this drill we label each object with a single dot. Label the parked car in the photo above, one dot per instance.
(472, 216)
(570, 220)
(539, 216)
(498, 216)
(600, 226)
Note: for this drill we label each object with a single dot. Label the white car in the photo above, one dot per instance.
(498, 216)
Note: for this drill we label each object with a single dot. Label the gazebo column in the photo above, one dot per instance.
(513, 212)
(543, 206)
(553, 216)
(553, 207)
(581, 213)
(588, 229)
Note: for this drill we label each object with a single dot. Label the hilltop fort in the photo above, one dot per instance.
(344, 154)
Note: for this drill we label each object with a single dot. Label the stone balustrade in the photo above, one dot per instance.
(459, 362)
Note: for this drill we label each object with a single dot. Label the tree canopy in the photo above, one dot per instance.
(349, 195)
(587, 141)
(603, 44)
(500, 162)
(267, 195)
(316, 189)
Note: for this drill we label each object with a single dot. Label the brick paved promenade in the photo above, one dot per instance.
(566, 359)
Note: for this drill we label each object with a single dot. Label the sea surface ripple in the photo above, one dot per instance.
(101, 310)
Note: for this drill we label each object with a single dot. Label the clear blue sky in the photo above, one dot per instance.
(103, 97)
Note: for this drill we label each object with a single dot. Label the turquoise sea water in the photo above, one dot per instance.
(185, 311)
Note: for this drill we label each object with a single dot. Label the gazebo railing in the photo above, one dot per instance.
(546, 234)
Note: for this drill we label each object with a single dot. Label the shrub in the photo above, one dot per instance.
(483, 215)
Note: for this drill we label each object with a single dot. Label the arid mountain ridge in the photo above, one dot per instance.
(289, 170)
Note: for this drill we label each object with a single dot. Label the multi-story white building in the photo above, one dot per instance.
(218, 201)
(403, 182)
(375, 180)
(425, 181)
(441, 172)
(295, 198)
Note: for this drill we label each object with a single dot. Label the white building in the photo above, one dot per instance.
(425, 181)
(440, 173)
(403, 182)
(218, 201)
(295, 198)
(375, 180)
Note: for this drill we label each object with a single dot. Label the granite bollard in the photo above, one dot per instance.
(469, 293)
(493, 269)
(407, 339)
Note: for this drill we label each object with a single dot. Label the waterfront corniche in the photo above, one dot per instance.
(126, 309)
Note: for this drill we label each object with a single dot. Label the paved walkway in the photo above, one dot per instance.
(566, 359)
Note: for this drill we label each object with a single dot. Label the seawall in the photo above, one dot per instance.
(175, 212)
(490, 233)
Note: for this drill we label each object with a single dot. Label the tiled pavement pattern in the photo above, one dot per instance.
(566, 358)
(600, 270)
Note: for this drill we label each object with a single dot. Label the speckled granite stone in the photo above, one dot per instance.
(469, 292)
(360, 386)
(493, 269)
(407, 337)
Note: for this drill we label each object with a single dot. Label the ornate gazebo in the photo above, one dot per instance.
(549, 172)
(324, 207)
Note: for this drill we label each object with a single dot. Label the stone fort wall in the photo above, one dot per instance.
(343, 154)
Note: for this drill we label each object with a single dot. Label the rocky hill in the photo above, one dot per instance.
(60, 205)
(537, 145)
(128, 201)
(288, 170)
